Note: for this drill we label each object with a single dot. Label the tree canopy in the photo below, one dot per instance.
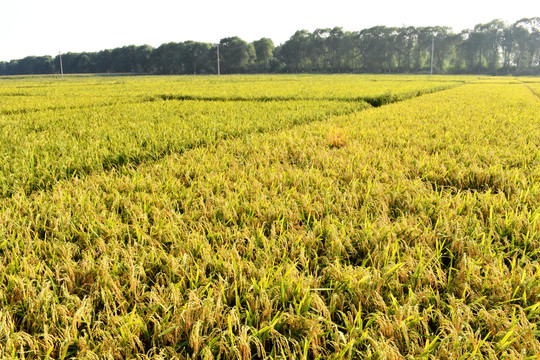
(491, 48)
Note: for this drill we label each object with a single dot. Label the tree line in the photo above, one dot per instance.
(494, 48)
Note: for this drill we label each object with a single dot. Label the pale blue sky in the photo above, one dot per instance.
(41, 27)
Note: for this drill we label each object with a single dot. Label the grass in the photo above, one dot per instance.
(409, 230)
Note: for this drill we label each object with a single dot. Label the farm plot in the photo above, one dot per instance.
(40, 148)
(43, 144)
(407, 230)
(30, 95)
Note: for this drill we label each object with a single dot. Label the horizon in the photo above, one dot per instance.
(108, 25)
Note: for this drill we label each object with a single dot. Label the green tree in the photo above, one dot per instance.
(377, 48)
(103, 61)
(318, 50)
(422, 49)
(236, 55)
(490, 44)
(526, 36)
(35, 65)
(197, 57)
(350, 51)
(294, 52)
(334, 46)
(264, 53)
(405, 41)
(166, 59)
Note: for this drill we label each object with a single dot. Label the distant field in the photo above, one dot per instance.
(292, 217)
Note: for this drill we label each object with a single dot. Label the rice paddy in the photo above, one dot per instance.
(270, 217)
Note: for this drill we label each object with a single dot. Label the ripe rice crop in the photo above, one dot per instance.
(300, 229)
(42, 147)
(30, 95)
(85, 126)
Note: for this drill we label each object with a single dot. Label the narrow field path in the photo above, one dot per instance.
(533, 87)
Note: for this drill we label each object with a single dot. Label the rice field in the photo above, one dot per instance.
(270, 217)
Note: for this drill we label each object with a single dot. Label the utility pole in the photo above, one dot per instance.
(218, 69)
(432, 47)
(61, 67)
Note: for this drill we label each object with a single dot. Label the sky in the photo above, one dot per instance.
(47, 27)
